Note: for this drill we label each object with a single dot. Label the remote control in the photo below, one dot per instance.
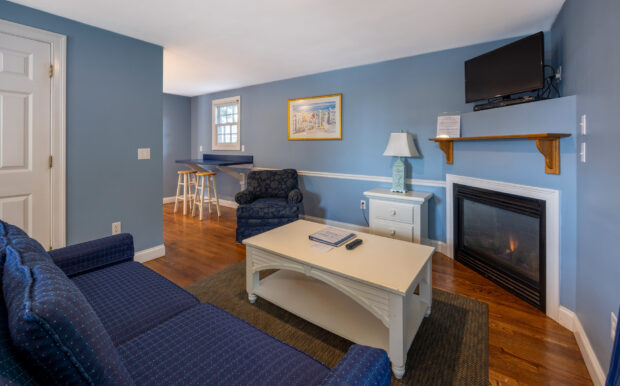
(353, 244)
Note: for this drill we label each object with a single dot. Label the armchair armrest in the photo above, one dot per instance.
(362, 365)
(295, 196)
(244, 197)
(92, 255)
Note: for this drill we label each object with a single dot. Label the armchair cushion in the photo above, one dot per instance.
(95, 254)
(53, 326)
(265, 208)
(295, 197)
(271, 183)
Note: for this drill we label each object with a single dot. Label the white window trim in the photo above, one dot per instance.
(225, 146)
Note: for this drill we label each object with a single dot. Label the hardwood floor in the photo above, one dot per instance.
(525, 346)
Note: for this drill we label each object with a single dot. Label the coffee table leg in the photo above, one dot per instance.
(251, 280)
(397, 351)
(426, 286)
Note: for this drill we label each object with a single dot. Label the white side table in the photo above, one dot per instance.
(402, 216)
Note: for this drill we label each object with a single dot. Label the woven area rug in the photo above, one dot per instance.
(450, 348)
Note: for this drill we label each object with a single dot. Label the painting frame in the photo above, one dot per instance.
(327, 126)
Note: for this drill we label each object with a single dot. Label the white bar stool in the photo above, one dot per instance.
(187, 178)
(199, 199)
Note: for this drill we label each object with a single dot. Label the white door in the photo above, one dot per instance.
(25, 130)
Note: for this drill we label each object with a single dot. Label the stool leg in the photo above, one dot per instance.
(217, 201)
(176, 198)
(194, 201)
(209, 193)
(202, 196)
(185, 181)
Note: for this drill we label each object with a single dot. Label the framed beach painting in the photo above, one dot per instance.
(315, 118)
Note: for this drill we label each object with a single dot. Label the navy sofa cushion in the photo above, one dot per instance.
(130, 299)
(12, 367)
(265, 208)
(53, 326)
(205, 345)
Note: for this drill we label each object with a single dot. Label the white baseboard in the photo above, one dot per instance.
(226, 203)
(150, 254)
(566, 318)
(570, 320)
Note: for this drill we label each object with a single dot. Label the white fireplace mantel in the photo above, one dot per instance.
(552, 214)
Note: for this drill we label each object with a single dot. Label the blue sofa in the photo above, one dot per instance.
(89, 314)
(272, 199)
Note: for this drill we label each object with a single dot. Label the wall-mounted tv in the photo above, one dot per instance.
(515, 68)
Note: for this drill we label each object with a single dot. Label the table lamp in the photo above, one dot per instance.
(400, 145)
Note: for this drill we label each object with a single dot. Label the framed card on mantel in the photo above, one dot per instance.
(315, 118)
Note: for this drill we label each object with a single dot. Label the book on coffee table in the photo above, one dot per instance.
(332, 236)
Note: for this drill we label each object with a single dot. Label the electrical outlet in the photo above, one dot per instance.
(116, 228)
(144, 153)
(583, 124)
(614, 322)
(558, 74)
(242, 147)
(363, 204)
(201, 148)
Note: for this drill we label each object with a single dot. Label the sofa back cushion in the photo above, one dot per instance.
(272, 183)
(51, 323)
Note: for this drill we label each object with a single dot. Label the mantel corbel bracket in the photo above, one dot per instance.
(550, 148)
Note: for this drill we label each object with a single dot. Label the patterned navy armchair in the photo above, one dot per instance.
(271, 199)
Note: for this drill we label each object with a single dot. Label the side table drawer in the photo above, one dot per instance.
(392, 211)
(393, 229)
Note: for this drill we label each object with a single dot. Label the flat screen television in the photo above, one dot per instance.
(515, 68)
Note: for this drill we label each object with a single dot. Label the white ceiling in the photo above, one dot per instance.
(217, 45)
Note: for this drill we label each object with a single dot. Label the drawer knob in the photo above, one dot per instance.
(393, 212)
(392, 232)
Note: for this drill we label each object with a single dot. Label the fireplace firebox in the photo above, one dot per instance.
(502, 237)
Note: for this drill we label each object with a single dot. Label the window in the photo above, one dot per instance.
(226, 130)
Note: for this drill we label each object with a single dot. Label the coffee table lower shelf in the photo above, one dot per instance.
(325, 306)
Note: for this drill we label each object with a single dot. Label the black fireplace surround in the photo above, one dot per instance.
(502, 237)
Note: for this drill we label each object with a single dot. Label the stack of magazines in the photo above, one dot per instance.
(332, 236)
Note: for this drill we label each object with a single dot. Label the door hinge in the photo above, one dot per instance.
(51, 161)
(51, 70)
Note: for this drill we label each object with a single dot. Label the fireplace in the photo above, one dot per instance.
(502, 236)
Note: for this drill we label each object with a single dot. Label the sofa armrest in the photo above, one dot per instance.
(92, 255)
(244, 197)
(362, 365)
(295, 196)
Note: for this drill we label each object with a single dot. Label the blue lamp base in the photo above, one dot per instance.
(398, 176)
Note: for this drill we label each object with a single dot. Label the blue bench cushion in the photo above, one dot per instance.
(204, 337)
(52, 325)
(130, 298)
(264, 208)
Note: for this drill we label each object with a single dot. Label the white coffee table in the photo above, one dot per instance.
(376, 295)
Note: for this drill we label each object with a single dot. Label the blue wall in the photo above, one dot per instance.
(114, 106)
(381, 98)
(405, 94)
(177, 138)
(586, 44)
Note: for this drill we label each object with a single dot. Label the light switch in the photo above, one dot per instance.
(584, 125)
(144, 153)
(582, 154)
(201, 148)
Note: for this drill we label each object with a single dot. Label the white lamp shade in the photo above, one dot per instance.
(401, 145)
